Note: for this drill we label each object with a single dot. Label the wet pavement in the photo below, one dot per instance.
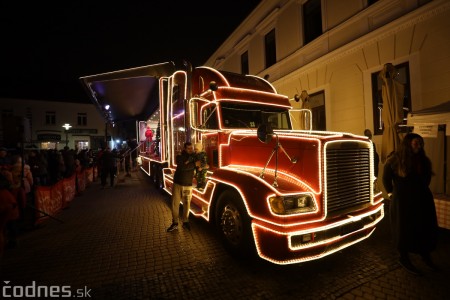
(113, 244)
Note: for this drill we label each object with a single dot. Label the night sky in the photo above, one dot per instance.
(46, 47)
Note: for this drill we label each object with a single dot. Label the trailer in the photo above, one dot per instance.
(288, 195)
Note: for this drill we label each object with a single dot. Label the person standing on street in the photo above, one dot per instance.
(406, 178)
(107, 163)
(182, 185)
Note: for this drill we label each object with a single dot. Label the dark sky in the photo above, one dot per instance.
(46, 47)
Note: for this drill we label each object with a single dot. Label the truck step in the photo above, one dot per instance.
(196, 209)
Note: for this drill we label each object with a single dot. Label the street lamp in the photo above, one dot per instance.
(66, 127)
(107, 114)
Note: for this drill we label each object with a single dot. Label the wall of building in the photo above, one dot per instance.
(36, 111)
(357, 41)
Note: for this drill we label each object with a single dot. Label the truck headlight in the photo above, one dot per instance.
(286, 205)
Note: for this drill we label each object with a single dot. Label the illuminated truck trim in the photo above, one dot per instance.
(334, 170)
(328, 239)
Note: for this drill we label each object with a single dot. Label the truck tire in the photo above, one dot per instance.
(234, 225)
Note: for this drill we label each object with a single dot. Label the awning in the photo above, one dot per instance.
(439, 114)
(132, 94)
(434, 116)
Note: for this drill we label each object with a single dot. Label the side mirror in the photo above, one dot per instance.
(265, 133)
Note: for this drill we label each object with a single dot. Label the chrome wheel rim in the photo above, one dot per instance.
(231, 224)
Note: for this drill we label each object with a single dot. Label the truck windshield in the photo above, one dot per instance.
(251, 116)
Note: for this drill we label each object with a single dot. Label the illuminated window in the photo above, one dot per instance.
(270, 48)
(312, 20)
(82, 119)
(244, 63)
(377, 99)
(50, 118)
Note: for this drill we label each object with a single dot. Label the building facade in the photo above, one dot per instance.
(332, 52)
(40, 124)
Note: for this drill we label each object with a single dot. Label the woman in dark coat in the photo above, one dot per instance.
(406, 178)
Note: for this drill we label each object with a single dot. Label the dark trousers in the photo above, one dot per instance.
(105, 174)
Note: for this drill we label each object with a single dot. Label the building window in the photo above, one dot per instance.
(29, 114)
(377, 99)
(7, 113)
(312, 20)
(82, 119)
(270, 48)
(317, 106)
(244, 63)
(50, 118)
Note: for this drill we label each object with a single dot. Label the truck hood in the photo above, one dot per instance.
(130, 93)
(306, 147)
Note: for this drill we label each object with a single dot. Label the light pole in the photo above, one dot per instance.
(66, 127)
(107, 113)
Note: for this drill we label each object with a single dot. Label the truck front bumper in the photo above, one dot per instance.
(293, 244)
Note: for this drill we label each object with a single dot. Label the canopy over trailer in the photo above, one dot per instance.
(131, 94)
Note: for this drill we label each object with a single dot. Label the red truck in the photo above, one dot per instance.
(288, 195)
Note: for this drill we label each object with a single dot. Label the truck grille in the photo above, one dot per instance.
(347, 174)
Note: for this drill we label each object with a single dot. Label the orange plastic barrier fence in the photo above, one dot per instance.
(50, 200)
(68, 190)
(81, 181)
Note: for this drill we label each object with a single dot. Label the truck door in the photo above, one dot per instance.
(205, 125)
(177, 112)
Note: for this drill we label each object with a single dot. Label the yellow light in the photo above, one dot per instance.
(277, 205)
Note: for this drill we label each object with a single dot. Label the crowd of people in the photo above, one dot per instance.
(20, 172)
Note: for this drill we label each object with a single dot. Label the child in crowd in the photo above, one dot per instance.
(200, 172)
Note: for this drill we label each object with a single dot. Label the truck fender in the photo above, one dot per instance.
(253, 191)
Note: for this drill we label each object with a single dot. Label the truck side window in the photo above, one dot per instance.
(210, 117)
(175, 93)
(215, 158)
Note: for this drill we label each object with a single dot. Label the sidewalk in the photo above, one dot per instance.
(113, 244)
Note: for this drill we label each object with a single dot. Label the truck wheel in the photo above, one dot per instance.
(233, 224)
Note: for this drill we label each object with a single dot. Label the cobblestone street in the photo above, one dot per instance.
(113, 244)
